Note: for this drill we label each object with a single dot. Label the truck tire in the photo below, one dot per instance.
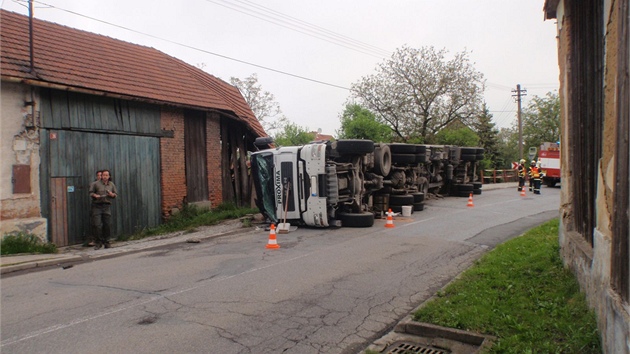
(550, 183)
(469, 151)
(476, 191)
(400, 199)
(464, 194)
(418, 197)
(404, 158)
(354, 146)
(477, 185)
(418, 206)
(421, 158)
(398, 148)
(364, 219)
(382, 160)
(421, 149)
(468, 157)
(465, 187)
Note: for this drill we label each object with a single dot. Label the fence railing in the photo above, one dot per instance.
(499, 176)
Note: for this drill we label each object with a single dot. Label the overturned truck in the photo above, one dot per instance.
(353, 181)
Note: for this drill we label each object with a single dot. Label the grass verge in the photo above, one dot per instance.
(191, 217)
(521, 293)
(24, 243)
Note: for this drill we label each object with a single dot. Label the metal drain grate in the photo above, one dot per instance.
(412, 348)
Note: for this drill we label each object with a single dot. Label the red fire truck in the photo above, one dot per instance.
(549, 159)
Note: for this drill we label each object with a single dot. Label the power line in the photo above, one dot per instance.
(195, 48)
(278, 18)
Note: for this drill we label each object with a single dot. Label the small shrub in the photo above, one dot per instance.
(25, 243)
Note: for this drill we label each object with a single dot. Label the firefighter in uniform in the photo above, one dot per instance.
(535, 176)
(521, 174)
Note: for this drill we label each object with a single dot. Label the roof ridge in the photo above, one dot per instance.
(77, 58)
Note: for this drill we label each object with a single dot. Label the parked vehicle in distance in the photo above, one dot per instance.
(350, 182)
(549, 159)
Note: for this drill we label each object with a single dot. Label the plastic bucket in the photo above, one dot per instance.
(406, 210)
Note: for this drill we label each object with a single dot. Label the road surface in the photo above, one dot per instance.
(323, 291)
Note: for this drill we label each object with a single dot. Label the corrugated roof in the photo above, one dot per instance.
(83, 60)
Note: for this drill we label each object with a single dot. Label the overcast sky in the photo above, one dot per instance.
(307, 54)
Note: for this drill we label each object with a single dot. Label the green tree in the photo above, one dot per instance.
(463, 136)
(507, 145)
(359, 123)
(541, 120)
(262, 103)
(293, 135)
(488, 137)
(418, 92)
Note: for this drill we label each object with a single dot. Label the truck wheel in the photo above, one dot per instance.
(465, 187)
(418, 197)
(469, 151)
(364, 219)
(404, 158)
(464, 194)
(421, 158)
(402, 148)
(477, 185)
(421, 149)
(382, 160)
(418, 206)
(354, 146)
(468, 157)
(476, 191)
(401, 199)
(550, 183)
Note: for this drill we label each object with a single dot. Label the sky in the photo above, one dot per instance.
(309, 53)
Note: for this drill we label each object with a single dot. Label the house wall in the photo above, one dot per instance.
(173, 161)
(19, 145)
(592, 263)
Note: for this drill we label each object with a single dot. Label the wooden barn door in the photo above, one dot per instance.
(59, 211)
(195, 145)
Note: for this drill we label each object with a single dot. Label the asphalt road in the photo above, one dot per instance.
(323, 291)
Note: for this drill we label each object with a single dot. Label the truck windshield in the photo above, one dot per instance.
(262, 171)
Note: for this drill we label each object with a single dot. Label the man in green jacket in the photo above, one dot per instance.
(102, 192)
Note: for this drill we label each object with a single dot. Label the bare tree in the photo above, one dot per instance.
(262, 103)
(417, 92)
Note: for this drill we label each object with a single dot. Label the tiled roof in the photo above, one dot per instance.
(83, 60)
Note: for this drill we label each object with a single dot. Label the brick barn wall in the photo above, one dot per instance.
(172, 160)
(213, 161)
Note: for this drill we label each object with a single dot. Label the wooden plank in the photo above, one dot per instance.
(228, 188)
(195, 148)
(235, 178)
(59, 212)
(242, 158)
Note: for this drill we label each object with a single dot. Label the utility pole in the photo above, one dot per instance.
(518, 93)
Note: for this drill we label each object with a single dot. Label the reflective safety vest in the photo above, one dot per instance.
(534, 172)
(521, 170)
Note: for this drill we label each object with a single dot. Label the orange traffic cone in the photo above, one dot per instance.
(523, 192)
(470, 201)
(273, 243)
(390, 220)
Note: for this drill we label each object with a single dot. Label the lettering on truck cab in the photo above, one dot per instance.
(278, 185)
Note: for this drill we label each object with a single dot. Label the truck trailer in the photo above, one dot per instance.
(350, 182)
